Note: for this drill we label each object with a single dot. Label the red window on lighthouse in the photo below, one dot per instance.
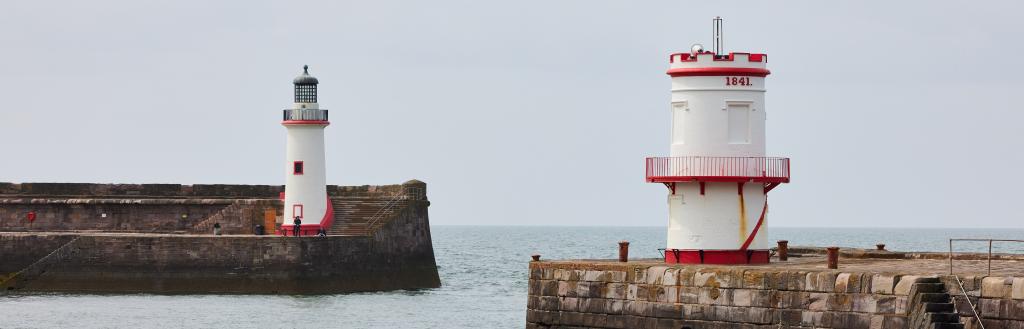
(297, 168)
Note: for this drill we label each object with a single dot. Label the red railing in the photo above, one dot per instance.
(718, 169)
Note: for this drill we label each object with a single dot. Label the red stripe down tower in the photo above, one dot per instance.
(717, 174)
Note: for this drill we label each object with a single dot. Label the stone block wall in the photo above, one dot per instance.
(151, 208)
(110, 215)
(609, 295)
(140, 190)
(236, 216)
(399, 256)
(181, 191)
(999, 301)
(18, 251)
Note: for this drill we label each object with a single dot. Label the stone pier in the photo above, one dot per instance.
(158, 238)
(870, 289)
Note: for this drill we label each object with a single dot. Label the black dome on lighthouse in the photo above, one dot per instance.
(305, 87)
(305, 78)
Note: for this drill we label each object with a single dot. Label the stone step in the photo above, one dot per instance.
(356, 215)
(933, 297)
(939, 308)
(352, 215)
(947, 326)
(943, 317)
(348, 232)
(930, 287)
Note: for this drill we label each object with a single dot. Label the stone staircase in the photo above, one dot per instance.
(931, 306)
(353, 215)
(206, 226)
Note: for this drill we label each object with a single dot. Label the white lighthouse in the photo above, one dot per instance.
(717, 174)
(305, 192)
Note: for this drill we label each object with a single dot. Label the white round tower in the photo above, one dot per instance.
(717, 174)
(306, 176)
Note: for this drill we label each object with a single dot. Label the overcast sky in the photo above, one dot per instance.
(895, 113)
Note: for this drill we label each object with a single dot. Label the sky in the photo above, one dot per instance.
(895, 114)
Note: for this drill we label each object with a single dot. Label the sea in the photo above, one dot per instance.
(483, 273)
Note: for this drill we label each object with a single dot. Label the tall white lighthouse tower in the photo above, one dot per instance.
(717, 174)
(305, 192)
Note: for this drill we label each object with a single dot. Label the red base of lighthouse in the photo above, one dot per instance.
(677, 256)
(309, 229)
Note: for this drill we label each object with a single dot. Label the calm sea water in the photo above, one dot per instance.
(483, 272)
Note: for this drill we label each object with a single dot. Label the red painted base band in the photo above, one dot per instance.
(674, 256)
(328, 219)
(310, 229)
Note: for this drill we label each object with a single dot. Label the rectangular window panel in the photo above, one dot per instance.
(739, 123)
(675, 205)
(297, 168)
(678, 126)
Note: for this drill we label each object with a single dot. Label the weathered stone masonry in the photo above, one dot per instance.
(397, 254)
(596, 294)
(154, 208)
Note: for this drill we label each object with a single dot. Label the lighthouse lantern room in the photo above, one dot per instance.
(305, 189)
(717, 174)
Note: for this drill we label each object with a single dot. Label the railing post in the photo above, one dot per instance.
(989, 257)
(950, 256)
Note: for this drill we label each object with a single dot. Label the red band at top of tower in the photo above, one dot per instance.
(689, 64)
(688, 57)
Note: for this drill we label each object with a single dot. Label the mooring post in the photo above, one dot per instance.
(833, 257)
(783, 250)
(623, 251)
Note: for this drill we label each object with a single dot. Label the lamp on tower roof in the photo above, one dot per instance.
(305, 86)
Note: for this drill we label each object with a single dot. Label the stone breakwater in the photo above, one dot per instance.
(801, 293)
(142, 239)
(397, 256)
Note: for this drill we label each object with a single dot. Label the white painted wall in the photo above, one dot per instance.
(700, 126)
(712, 221)
(306, 143)
(310, 106)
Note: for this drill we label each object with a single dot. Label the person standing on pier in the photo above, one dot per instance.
(296, 226)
